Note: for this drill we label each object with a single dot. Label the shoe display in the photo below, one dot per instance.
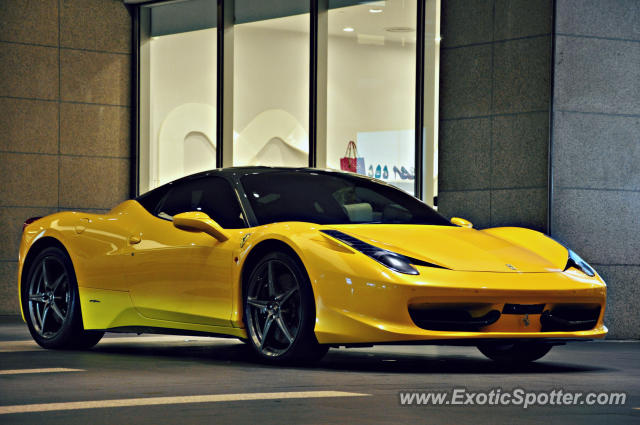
(385, 172)
(378, 171)
(398, 172)
(406, 173)
(370, 173)
(403, 173)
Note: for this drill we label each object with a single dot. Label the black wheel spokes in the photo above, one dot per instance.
(274, 308)
(49, 295)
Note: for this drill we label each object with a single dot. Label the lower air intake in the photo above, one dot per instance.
(570, 318)
(452, 319)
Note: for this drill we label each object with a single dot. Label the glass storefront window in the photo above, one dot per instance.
(271, 83)
(366, 87)
(181, 54)
(371, 87)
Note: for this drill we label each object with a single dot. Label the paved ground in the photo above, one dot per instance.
(349, 386)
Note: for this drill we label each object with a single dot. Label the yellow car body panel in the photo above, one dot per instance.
(137, 270)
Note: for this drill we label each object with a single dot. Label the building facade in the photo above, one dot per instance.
(510, 112)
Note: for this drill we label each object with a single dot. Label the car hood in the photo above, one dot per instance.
(508, 250)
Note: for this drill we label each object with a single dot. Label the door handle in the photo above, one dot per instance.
(134, 239)
(82, 225)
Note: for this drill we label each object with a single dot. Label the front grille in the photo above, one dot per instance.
(475, 317)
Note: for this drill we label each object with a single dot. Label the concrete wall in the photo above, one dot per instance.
(494, 111)
(65, 83)
(596, 146)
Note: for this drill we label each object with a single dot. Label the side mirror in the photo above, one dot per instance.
(198, 221)
(461, 222)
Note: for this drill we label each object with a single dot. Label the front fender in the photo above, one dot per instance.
(303, 238)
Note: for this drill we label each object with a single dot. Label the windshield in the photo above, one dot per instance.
(325, 198)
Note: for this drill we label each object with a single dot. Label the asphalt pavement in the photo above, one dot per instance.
(155, 379)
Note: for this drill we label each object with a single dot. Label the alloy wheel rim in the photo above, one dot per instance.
(274, 308)
(49, 297)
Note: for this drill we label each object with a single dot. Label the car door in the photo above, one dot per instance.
(186, 276)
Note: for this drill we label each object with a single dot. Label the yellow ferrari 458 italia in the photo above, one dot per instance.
(294, 261)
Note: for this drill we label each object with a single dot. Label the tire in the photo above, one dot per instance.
(515, 353)
(279, 311)
(51, 304)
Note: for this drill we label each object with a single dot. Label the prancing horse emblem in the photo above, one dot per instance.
(511, 267)
(244, 240)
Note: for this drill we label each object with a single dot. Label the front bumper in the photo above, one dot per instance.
(358, 306)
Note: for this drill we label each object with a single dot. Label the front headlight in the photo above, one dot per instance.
(396, 262)
(576, 261)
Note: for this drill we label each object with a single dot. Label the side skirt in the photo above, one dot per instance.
(165, 331)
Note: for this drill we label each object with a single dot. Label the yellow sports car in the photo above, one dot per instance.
(294, 261)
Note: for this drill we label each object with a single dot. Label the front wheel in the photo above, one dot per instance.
(515, 352)
(279, 311)
(51, 304)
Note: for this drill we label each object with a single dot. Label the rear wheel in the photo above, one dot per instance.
(51, 304)
(515, 352)
(279, 311)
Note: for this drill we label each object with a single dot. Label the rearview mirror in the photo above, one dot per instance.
(198, 221)
(461, 222)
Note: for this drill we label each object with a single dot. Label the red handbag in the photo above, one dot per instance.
(350, 160)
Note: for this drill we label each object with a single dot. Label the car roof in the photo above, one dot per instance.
(233, 174)
(256, 169)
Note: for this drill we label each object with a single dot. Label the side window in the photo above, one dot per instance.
(211, 195)
(151, 200)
